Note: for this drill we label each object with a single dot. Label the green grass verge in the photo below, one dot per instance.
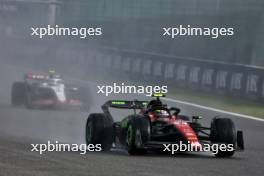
(224, 102)
(218, 102)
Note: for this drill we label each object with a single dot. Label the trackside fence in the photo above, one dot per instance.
(240, 81)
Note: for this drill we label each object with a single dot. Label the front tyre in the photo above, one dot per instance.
(138, 133)
(223, 132)
(99, 130)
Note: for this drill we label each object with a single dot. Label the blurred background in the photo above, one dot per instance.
(132, 41)
(137, 24)
(226, 73)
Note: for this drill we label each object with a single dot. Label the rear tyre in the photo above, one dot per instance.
(99, 130)
(18, 94)
(138, 133)
(223, 132)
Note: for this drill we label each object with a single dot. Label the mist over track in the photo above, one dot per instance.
(19, 127)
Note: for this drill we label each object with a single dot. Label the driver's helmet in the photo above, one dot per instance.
(154, 104)
(161, 113)
(51, 73)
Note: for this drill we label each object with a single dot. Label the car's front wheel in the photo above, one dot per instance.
(99, 130)
(137, 134)
(223, 132)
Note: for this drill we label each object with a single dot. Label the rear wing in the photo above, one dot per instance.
(30, 76)
(35, 77)
(123, 104)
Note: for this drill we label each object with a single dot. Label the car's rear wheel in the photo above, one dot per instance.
(223, 132)
(99, 130)
(18, 94)
(138, 133)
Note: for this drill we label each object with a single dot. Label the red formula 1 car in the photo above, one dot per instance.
(156, 127)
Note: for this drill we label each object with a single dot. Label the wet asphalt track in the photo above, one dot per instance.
(19, 127)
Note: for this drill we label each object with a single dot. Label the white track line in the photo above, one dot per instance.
(213, 109)
(194, 105)
(197, 106)
(186, 103)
